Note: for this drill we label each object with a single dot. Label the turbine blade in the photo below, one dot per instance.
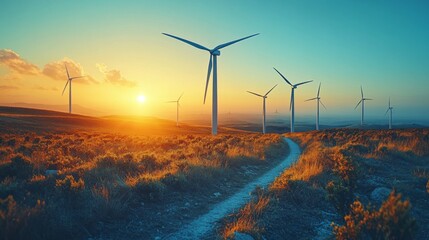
(368, 99)
(180, 97)
(389, 102)
(170, 101)
(208, 78)
(296, 85)
(310, 99)
(68, 76)
(318, 91)
(283, 76)
(270, 90)
(387, 111)
(232, 42)
(255, 94)
(188, 42)
(358, 103)
(323, 104)
(65, 87)
(361, 91)
(77, 77)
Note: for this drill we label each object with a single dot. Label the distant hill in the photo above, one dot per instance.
(18, 119)
(59, 108)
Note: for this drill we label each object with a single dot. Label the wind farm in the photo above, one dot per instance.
(133, 152)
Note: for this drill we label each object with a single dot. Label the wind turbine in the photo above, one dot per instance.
(390, 115)
(317, 109)
(362, 100)
(177, 109)
(292, 100)
(69, 82)
(263, 105)
(214, 53)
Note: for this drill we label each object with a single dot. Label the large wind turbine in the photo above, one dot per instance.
(317, 109)
(292, 100)
(362, 100)
(263, 105)
(177, 109)
(69, 82)
(214, 53)
(390, 115)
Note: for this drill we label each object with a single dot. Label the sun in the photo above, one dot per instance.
(141, 98)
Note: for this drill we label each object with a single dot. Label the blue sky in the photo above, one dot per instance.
(381, 45)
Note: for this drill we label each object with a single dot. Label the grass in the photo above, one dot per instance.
(102, 177)
(333, 172)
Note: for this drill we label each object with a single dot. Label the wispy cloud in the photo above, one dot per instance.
(15, 63)
(7, 87)
(56, 70)
(114, 76)
(46, 89)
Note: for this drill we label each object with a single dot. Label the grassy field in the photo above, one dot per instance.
(348, 184)
(81, 182)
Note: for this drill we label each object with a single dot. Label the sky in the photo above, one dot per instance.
(379, 45)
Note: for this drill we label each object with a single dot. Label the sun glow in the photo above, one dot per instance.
(141, 98)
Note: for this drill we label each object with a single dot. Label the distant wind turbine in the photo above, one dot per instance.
(214, 53)
(390, 108)
(263, 105)
(69, 82)
(317, 109)
(177, 108)
(362, 100)
(292, 100)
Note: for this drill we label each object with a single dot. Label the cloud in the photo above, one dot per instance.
(6, 87)
(16, 64)
(114, 76)
(46, 89)
(56, 70)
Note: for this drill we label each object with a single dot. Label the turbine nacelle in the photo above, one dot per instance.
(215, 52)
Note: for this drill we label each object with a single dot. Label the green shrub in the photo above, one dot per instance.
(340, 195)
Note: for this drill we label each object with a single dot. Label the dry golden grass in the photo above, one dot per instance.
(101, 175)
(329, 163)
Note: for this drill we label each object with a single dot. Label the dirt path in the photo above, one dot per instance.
(203, 224)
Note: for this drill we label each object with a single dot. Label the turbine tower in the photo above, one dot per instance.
(214, 53)
(292, 100)
(389, 109)
(263, 106)
(69, 82)
(317, 104)
(177, 109)
(362, 100)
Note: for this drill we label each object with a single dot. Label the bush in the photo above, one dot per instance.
(340, 195)
(391, 221)
(151, 189)
(18, 222)
(69, 184)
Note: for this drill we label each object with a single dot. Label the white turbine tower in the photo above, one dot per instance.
(292, 100)
(263, 106)
(362, 100)
(317, 104)
(69, 82)
(177, 108)
(214, 53)
(389, 109)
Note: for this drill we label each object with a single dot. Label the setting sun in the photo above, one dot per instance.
(141, 98)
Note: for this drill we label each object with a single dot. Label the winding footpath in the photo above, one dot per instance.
(203, 224)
